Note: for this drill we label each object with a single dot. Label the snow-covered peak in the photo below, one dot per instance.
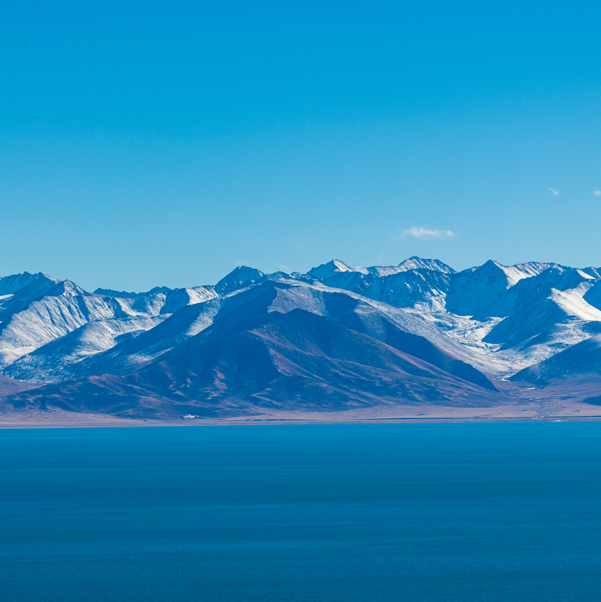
(38, 287)
(67, 288)
(380, 271)
(159, 300)
(510, 275)
(413, 263)
(489, 269)
(332, 268)
(9, 285)
(513, 273)
(337, 267)
(26, 284)
(239, 278)
(418, 263)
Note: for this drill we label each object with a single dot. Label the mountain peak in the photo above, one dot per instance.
(419, 263)
(491, 270)
(327, 270)
(9, 285)
(240, 277)
(515, 273)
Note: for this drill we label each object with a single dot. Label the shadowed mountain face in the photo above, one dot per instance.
(335, 338)
(303, 360)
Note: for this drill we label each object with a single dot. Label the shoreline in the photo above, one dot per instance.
(550, 411)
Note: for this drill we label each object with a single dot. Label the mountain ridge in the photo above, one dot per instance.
(488, 323)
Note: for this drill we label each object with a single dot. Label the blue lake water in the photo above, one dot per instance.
(383, 512)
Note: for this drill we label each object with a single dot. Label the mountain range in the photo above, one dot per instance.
(335, 338)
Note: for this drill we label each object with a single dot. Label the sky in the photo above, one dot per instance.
(164, 143)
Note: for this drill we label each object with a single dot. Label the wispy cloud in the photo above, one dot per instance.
(597, 192)
(424, 233)
(553, 191)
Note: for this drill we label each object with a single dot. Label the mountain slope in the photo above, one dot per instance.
(417, 289)
(160, 300)
(289, 360)
(33, 318)
(59, 359)
(300, 359)
(8, 386)
(582, 361)
(226, 312)
(42, 310)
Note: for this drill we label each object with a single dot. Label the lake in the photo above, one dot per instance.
(504, 512)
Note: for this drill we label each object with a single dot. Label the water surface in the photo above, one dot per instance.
(384, 512)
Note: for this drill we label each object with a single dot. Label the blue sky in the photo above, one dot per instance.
(157, 143)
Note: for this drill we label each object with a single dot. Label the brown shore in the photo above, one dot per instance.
(552, 410)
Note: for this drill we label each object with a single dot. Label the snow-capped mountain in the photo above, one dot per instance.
(509, 316)
(160, 300)
(344, 335)
(41, 310)
(280, 344)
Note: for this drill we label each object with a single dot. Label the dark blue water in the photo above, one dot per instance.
(421, 512)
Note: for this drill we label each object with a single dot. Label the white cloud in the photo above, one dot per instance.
(553, 191)
(597, 192)
(424, 233)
